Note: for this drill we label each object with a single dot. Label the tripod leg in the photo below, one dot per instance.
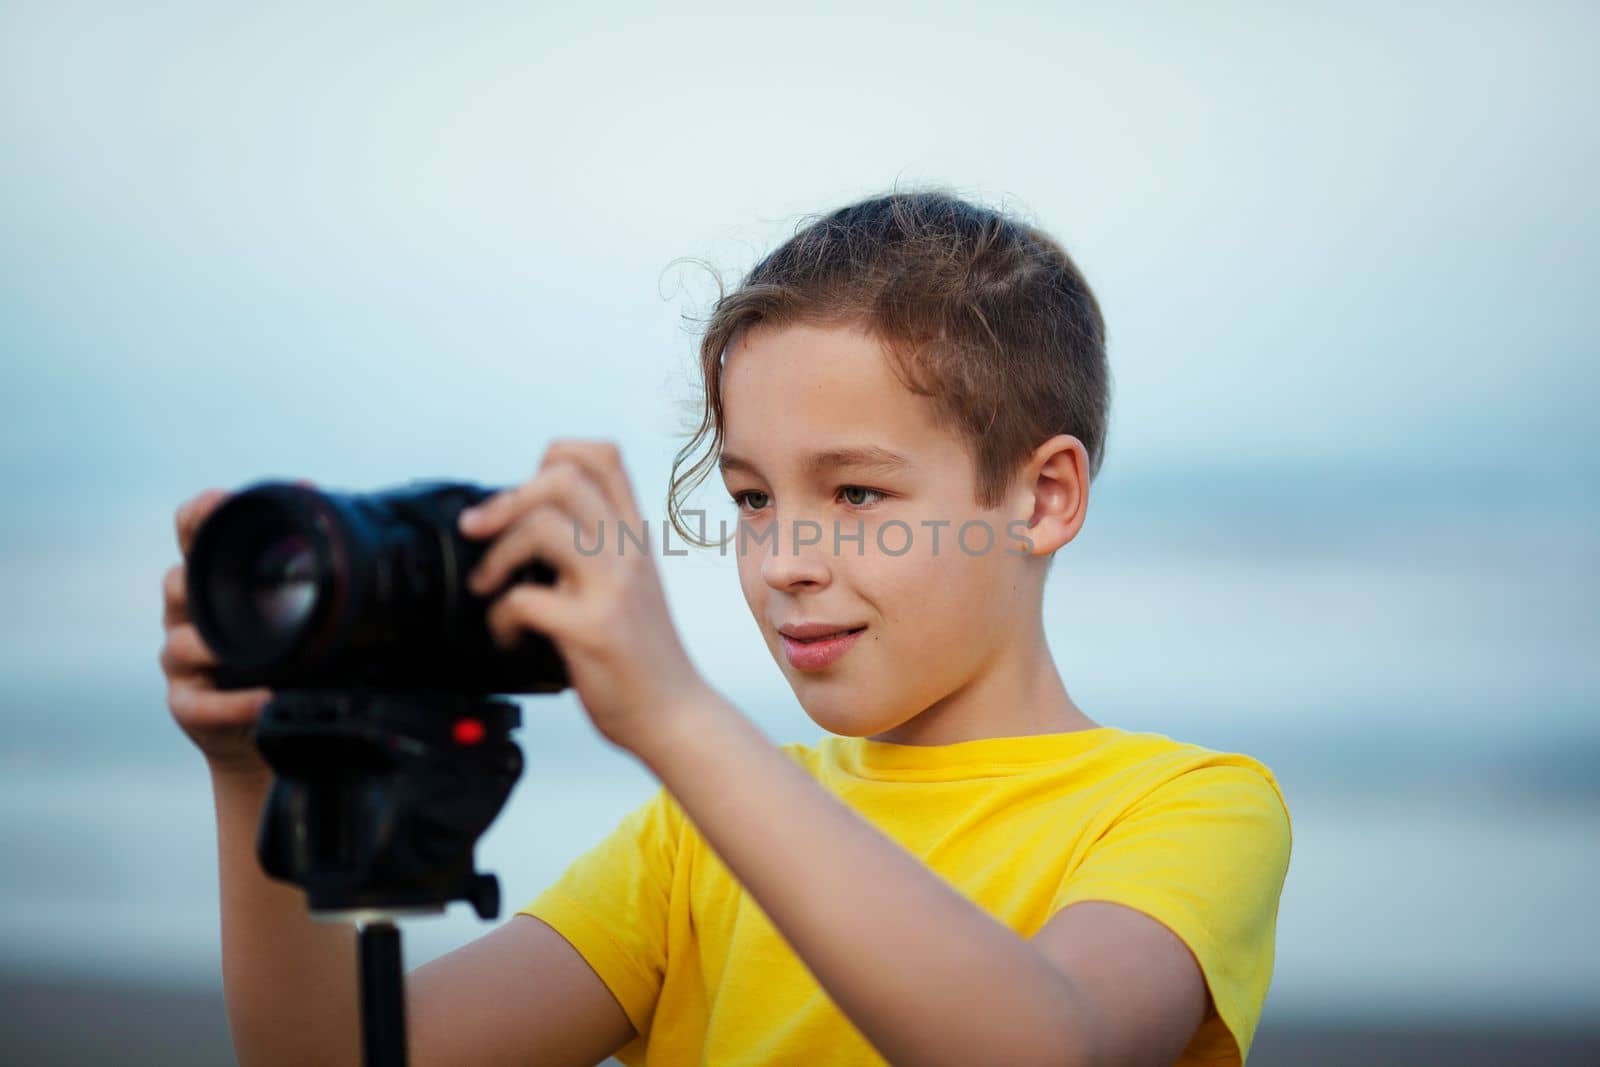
(383, 1002)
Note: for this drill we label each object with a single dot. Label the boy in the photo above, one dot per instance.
(907, 404)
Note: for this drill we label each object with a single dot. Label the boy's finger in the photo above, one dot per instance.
(528, 607)
(175, 597)
(486, 516)
(546, 534)
(213, 709)
(185, 653)
(565, 489)
(193, 512)
(602, 462)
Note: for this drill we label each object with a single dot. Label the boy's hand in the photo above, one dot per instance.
(607, 612)
(219, 723)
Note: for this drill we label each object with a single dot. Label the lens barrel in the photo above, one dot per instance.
(296, 588)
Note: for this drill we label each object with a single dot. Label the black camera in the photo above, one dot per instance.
(296, 589)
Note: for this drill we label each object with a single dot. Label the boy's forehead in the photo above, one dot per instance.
(813, 401)
(769, 355)
(820, 389)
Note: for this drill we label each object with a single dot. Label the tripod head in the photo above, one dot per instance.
(378, 798)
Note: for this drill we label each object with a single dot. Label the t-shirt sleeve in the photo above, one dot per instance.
(1205, 854)
(611, 904)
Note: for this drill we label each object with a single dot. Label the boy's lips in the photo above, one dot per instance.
(810, 631)
(817, 645)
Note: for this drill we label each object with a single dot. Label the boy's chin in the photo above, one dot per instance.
(847, 717)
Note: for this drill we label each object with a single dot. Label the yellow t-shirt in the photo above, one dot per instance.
(1021, 826)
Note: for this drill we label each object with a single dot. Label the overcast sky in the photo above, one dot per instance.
(1345, 255)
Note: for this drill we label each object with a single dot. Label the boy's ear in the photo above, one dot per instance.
(1053, 491)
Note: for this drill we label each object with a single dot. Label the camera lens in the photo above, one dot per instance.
(296, 588)
(283, 583)
(262, 576)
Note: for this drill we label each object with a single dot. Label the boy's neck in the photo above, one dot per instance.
(1020, 694)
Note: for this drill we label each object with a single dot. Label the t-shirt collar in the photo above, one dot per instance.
(985, 757)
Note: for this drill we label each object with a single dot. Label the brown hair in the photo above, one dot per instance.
(982, 313)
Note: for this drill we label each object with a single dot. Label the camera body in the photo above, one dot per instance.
(294, 588)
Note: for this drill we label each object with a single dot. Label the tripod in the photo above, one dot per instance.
(377, 801)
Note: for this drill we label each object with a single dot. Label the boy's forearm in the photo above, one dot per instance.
(927, 976)
(290, 982)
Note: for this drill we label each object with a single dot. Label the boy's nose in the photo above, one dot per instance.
(799, 559)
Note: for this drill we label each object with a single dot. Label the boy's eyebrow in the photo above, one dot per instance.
(863, 457)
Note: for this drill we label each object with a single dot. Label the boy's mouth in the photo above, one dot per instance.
(817, 646)
(812, 633)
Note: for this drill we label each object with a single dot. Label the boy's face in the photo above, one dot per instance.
(936, 612)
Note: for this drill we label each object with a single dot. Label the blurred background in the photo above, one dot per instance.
(1346, 522)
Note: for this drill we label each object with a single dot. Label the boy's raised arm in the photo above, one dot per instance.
(519, 994)
(926, 975)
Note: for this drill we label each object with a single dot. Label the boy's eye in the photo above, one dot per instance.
(848, 489)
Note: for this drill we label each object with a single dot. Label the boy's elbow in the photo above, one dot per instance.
(1058, 1048)
(1070, 1042)
(1076, 1049)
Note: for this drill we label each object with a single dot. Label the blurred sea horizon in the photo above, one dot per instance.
(1431, 806)
(122, 884)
